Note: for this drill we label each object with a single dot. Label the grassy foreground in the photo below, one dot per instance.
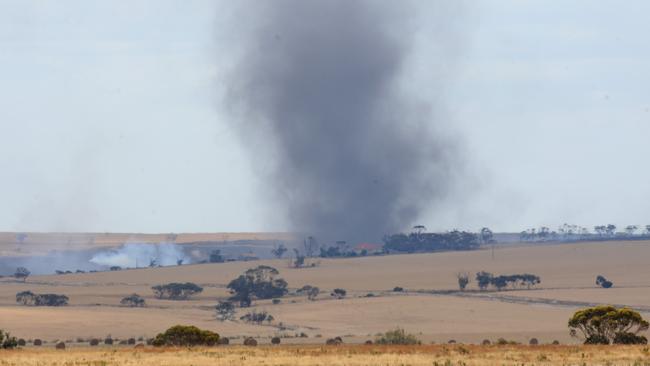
(349, 355)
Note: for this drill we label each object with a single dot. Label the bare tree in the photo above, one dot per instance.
(311, 246)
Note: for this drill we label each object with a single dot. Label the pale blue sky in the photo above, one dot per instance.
(110, 120)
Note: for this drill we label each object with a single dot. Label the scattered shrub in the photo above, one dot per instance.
(131, 341)
(555, 342)
(398, 289)
(276, 301)
(368, 342)
(60, 345)
(250, 342)
(333, 341)
(397, 336)
(182, 335)
(533, 342)
(108, 341)
(258, 318)
(452, 341)
(38, 342)
(275, 340)
(486, 342)
(123, 342)
(223, 340)
(94, 342)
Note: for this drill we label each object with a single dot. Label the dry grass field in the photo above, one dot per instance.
(567, 271)
(429, 355)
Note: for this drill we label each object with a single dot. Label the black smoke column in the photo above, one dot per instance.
(318, 87)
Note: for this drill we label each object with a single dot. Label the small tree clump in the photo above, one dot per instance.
(38, 342)
(131, 341)
(398, 336)
(133, 301)
(250, 342)
(176, 291)
(223, 340)
(275, 340)
(398, 289)
(21, 342)
(261, 282)
(94, 342)
(533, 342)
(225, 310)
(108, 341)
(60, 345)
(338, 293)
(603, 282)
(183, 335)
(486, 342)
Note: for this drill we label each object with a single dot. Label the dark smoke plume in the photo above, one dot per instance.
(318, 88)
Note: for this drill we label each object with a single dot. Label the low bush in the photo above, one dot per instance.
(486, 342)
(533, 342)
(21, 342)
(94, 342)
(398, 289)
(398, 336)
(38, 342)
(131, 341)
(134, 301)
(275, 340)
(60, 345)
(223, 340)
(184, 335)
(250, 342)
(7, 341)
(176, 291)
(108, 341)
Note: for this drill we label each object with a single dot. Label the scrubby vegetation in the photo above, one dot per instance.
(607, 324)
(176, 291)
(29, 298)
(257, 317)
(22, 273)
(7, 341)
(188, 336)
(397, 336)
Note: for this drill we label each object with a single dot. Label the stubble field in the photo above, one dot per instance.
(429, 308)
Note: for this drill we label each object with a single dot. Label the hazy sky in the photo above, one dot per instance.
(110, 117)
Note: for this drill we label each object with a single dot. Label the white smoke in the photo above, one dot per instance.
(135, 255)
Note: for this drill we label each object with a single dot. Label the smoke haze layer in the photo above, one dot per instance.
(136, 255)
(318, 88)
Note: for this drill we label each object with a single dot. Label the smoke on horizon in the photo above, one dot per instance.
(135, 255)
(317, 89)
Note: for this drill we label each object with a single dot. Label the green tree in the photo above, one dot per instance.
(183, 335)
(606, 324)
(261, 282)
(463, 280)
